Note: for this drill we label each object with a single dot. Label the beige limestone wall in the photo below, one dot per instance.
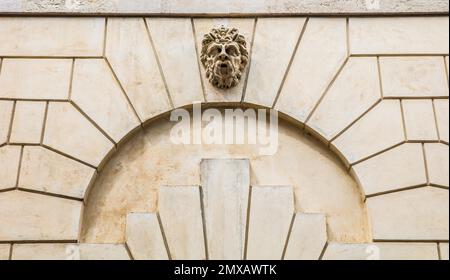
(373, 91)
(220, 7)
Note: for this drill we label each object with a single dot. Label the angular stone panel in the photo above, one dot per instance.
(9, 166)
(271, 213)
(28, 122)
(273, 47)
(418, 214)
(353, 93)
(438, 164)
(181, 217)
(98, 94)
(6, 110)
(37, 79)
(103, 252)
(51, 36)
(443, 248)
(60, 251)
(174, 43)
(68, 131)
(399, 35)
(38, 217)
(46, 171)
(232, 7)
(4, 252)
(413, 77)
(419, 120)
(57, 251)
(442, 118)
(379, 129)
(399, 168)
(226, 184)
(130, 53)
(203, 26)
(144, 237)
(308, 237)
(322, 51)
(381, 251)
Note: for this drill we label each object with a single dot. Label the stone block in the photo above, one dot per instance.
(36, 79)
(226, 185)
(28, 122)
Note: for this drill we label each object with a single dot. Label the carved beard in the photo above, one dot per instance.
(223, 74)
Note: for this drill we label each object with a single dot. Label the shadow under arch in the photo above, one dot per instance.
(294, 126)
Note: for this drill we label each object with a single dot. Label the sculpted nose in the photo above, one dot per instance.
(223, 56)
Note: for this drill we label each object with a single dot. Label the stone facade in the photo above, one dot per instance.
(87, 170)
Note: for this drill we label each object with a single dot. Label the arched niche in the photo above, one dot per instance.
(129, 179)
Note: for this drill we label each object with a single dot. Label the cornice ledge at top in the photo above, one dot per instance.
(224, 7)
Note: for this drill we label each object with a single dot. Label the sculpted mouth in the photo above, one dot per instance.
(224, 68)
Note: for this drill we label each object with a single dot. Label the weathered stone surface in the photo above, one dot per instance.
(443, 248)
(69, 252)
(353, 93)
(271, 213)
(321, 52)
(308, 237)
(103, 252)
(381, 251)
(399, 168)
(67, 130)
(203, 26)
(130, 53)
(226, 186)
(35, 78)
(181, 218)
(38, 217)
(379, 129)
(408, 251)
(99, 95)
(418, 214)
(419, 120)
(273, 47)
(175, 47)
(414, 76)
(399, 35)
(28, 122)
(341, 251)
(47, 171)
(4, 252)
(6, 109)
(201, 7)
(58, 251)
(442, 118)
(144, 237)
(32, 36)
(438, 163)
(9, 166)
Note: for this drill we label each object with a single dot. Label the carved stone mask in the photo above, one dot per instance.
(224, 56)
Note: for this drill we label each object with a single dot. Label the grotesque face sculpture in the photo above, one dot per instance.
(224, 56)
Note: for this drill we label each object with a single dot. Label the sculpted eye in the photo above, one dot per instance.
(215, 51)
(232, 51)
